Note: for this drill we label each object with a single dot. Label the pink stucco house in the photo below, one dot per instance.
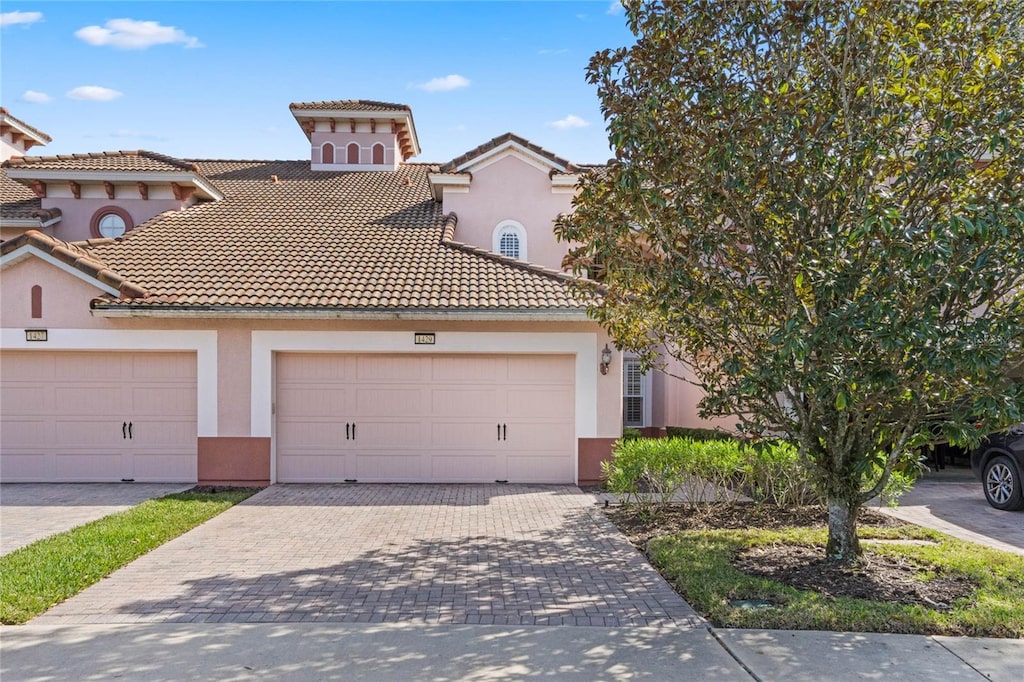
(354, 316)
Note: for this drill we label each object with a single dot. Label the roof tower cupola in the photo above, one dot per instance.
(357, 134)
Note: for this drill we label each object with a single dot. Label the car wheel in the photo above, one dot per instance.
(1003, 484)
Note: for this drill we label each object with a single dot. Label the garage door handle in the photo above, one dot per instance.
(129, 430)
(124, 430)
(347, 426)
(353, 430)
(504, 431)
(499, 431)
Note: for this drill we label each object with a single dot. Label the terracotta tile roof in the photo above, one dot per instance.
(452, 165)
(31, 129)
(311, 240)
(349, 105)
(138, 160)
(16, 200)
(78, 255)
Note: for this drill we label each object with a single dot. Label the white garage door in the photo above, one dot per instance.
(437, 418)
(77, 416)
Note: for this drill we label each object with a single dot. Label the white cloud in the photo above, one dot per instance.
(569, 122)
(129, 34)
(615, 7)
(561, 50)
(36, 97)
(450, 82)
(95, 93)
(11, 18)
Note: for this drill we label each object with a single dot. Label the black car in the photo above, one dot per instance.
(998, 463)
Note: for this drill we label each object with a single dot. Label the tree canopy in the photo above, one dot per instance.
(817, 206)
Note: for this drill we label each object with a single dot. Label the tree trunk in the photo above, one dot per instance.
(843, 546)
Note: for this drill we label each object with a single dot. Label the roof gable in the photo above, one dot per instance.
(11, 123)
(502, 146)
(70, 257)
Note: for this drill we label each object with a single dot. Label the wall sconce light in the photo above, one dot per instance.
(606, 359)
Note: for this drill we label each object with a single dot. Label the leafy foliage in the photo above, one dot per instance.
(819, 208)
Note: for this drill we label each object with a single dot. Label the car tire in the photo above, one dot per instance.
(1002, 484)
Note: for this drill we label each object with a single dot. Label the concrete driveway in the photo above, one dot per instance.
(457, 554)
(954, 503)
(33, 511)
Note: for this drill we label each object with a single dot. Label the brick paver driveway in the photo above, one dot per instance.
(32, 511)
(522, 555)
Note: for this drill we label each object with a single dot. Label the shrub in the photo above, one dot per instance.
(697, 434)
(630, 433)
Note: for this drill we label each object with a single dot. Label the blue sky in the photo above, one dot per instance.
(214, 79)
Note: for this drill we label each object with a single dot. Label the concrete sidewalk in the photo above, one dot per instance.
(303, 651)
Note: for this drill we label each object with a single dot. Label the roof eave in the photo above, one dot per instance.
(106, 310)
(204, 186)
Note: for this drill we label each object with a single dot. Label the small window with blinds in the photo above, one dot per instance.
(632, 393)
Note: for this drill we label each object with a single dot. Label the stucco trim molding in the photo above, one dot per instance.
(202, 343)
(581, 345)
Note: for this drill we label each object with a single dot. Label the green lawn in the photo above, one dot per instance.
(698, 563)
(45, 573)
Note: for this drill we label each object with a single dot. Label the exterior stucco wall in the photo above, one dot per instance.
(511, 189)
(8, 148)
(78, 213)
(65, 297)
(675, 400)
(342, 138)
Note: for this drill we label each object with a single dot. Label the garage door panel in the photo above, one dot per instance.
(151, 401)
(19, 465)
(86, 399)
(315, 368)
(540, 467)
(166, 366)
(389, 434)
(314, 468)
(89, 466)
(468, 370)
(540, 369)
(532, 403)
(471, 467)
(26, 433)
(326, 434)
(34, 367)
(88, 433)
(385, 466)
(402, 401)
(312, 401)
(95, 367)
(467, 402)
(391, 368)
(26, 400)
(162, 433)
(431, 418)
(463, 435)
(163, 467)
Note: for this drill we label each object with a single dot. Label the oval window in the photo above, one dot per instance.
(111, 225)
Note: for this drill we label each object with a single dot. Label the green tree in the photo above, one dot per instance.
(816, 206)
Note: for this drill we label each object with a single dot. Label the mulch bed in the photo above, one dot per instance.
(877, 577)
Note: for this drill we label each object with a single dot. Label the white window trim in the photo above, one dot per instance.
(324, 144)
(520, 232)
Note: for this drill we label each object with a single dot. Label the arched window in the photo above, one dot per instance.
(110, 221)
(378, 154)
(353, 154)
(509, 239)
(327, 153)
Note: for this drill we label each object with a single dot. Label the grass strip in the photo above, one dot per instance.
(45, 573)
(699, 564)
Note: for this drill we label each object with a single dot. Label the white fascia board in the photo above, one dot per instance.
(99, 177)
(450, 182)
(29, 223)
(556, 315)
(25, 132)
(29, 250)
(202, 343)
(403, 117)
(503, 150)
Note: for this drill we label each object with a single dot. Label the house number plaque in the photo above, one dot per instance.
(35, 335)
(423, 338)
